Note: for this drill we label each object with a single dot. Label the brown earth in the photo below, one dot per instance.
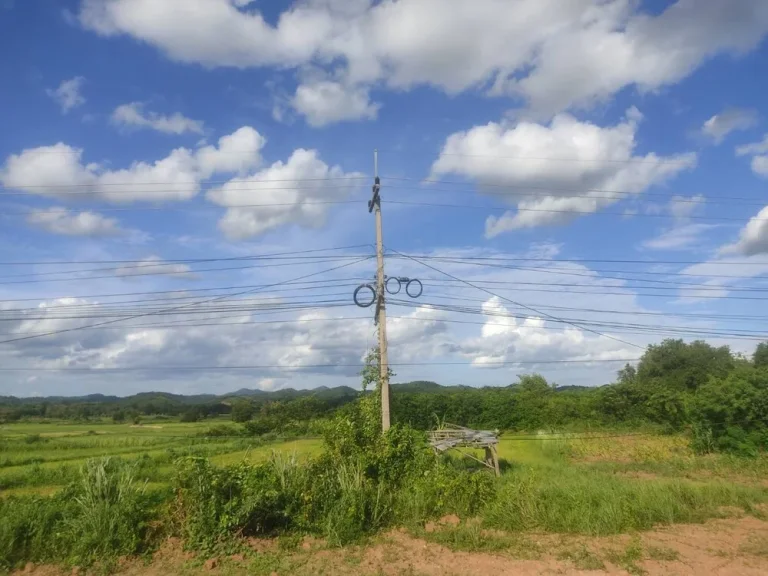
(730, 547)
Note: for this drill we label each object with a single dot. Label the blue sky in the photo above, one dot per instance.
(536, 138)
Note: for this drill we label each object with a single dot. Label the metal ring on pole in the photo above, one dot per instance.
(357, 292)
(408, 286)
(399, 285)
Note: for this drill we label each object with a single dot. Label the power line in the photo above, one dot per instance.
(191, 183)
(180, 273)
(553, 159)
(596, 212)
(309, 366)
(404, 203)
(512, 301)
(298, 253)
(481, 189)
(679, 197)
(54, 332)
(598, 276)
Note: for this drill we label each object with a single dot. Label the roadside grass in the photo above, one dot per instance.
(551, 483)
(567, 499)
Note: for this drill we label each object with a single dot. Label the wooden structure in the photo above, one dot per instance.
(452, 437)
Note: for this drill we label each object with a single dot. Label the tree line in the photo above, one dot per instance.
(721, 397)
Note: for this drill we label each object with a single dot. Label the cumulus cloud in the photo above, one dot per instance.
(236, 152)
(328, 102)
(553, 55)
(759, 153)
(304, 205)
(68, 95)
(730, 120)
(58, 169)
(68, 223)
(565, 168)
(504, 339)
(133, 116)
(753, 238)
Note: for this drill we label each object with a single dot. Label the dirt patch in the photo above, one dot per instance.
(450, 520)
(728, 547)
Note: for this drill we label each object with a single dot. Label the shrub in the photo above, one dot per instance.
(100, 517)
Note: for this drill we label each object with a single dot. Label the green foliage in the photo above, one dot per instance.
(760, 357)
(100, 517)
(683, 367)
(733, 412)
(242, 411)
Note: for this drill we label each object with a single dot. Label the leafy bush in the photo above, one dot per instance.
(100, 517)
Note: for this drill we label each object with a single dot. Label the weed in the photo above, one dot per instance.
(583, 558)
(755, 546)
(628, 558)
(662, 553)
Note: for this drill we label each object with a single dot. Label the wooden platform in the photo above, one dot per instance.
(453, 437)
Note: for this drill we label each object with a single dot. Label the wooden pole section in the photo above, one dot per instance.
(381, 308)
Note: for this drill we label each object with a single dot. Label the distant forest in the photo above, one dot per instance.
(721, 398)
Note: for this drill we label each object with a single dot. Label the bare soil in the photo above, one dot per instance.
(729, 547)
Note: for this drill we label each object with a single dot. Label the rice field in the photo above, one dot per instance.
(40, 458)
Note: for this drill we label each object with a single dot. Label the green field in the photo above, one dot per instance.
(43, 457)
(589, 484)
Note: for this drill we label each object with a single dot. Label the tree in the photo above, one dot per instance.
(191, 415)
(118, 417)
(760, 357)
(627, 374)
(242, 411)
(684, 367)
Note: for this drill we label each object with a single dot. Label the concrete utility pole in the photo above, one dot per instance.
(381, 312)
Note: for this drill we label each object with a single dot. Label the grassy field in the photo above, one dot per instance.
(43, 457)
(595, 486)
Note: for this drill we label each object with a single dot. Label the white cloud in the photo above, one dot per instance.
(326, 102)
(291, 343)
(68, 94)
(680, 237)
(567, 167)
(739, 271)
(682, 207)
(302, 205)
(236, 152)
(156, 266)
(554, 55)
(682, 234)
(753, 238)
(62, 221)
(759, 153)
(59, 170)
(506, 339)
(132, 115)
(730, 120)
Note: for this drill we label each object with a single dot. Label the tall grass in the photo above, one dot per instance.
(101, 516)
(585, 501)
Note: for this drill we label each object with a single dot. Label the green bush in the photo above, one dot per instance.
(100, 517)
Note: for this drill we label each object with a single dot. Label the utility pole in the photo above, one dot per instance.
(381, 312)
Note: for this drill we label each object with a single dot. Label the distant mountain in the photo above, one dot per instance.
(336, 393)
(426, 386)
(571, 388)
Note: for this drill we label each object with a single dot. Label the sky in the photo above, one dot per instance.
(184, 188)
